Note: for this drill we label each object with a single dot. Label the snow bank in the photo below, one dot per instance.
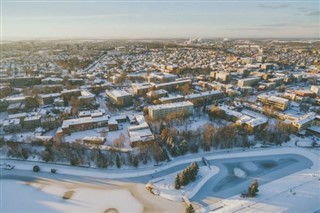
(239, 172)
(250, 166)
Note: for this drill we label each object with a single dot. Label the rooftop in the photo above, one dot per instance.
(171, 105)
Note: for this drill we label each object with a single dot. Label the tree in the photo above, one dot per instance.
(31, 102)
(177, 184)
(184, 89)
(103, 133)
(118, 163)
(36, 168)
(215, 112)
(135, 161)
(75, 104)
(119, 142)
(209, 131)
(190, 209)
(253, 189)
(165, 134)
(183, 147)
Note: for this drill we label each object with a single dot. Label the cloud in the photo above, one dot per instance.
(273, 6)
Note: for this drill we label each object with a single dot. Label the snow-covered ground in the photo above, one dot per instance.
(110, 135)
(296, 192)
(164, 186)
(20, 137)
(48, 197)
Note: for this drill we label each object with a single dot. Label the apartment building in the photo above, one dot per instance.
(172, 86)
(171, 99)
(248, 82)
(204, 98)
(120, 98)
(142, 88)
(276, 102)
(81, 124)
(163, 110)
(303, 122)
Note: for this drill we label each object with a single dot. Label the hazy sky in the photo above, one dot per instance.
(159, 19)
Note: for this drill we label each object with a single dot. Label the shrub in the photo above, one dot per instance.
(36, 168)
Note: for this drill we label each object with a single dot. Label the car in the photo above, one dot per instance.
(8, 166)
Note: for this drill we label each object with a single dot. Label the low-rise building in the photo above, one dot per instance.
(119, 98)
(172, 86)
(303, 122)
(87, 98)
(12, 125)
(315, 89)
(204, 98)
(140, 134)
(177, 109)
(155, 94)
(274, 101)
(171, 99)
(248, 81)
(32, 122)
(81, 124)
(142, 89)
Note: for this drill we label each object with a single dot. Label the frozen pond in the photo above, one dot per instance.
(236, 174)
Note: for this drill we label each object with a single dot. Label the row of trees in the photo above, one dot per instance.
(78, 154)
(275, 133)
(186, 176)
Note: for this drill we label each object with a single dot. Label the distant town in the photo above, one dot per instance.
(173, 114)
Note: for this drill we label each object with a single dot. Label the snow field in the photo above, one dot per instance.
(40, 197)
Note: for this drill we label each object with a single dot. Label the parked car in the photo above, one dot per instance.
(8, 166)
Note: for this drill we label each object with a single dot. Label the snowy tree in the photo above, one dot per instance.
(190, 209)
(253, 189)
(177, 184)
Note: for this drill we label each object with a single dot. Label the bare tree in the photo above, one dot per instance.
(119, 142)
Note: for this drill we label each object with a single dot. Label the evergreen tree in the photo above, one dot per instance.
(118, 163)
(183, 147)
(190, 209)
(177, 184)
(253, 189)
(135, 161)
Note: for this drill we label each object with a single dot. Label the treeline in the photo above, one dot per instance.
(78, 154)
(188, 175)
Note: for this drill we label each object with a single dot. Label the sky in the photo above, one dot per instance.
(108, 19)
